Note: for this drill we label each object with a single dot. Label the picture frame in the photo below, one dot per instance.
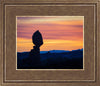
(10, 76)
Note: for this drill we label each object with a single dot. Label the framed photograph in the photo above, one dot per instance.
(57, 42)
(49, 43)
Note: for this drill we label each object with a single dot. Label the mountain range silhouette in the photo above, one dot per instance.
(54, 60)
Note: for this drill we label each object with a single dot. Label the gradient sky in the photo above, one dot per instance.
(59, 32)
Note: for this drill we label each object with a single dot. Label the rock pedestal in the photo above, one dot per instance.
(34, 55)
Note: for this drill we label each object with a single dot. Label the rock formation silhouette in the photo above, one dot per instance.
(34, 54)
(37, 38)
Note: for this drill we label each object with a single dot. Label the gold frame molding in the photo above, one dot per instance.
(90, 76)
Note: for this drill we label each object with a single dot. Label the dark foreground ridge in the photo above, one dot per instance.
(52, 60)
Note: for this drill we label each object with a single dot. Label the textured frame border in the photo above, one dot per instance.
(97, 65)
(39, 81)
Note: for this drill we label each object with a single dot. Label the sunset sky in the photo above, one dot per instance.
(58, 32)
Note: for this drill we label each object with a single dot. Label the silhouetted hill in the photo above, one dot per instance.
(53, 51)
(54, 59)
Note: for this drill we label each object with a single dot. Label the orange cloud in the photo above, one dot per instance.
(49, 44)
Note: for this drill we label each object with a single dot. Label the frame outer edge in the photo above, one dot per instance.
(50, 1)
(1, 44)
(98, 43)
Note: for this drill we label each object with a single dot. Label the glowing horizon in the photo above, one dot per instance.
(59, 32)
